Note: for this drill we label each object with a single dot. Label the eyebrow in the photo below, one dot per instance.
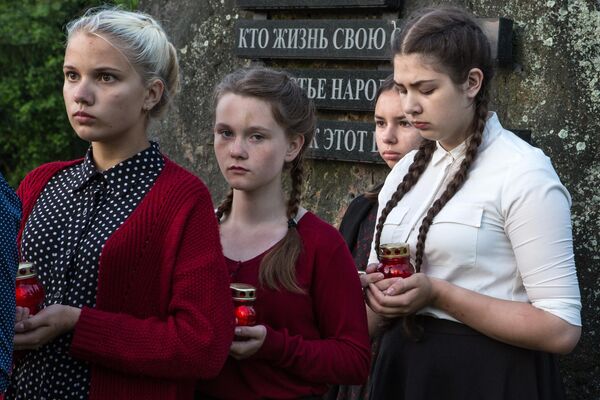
(249, 129)
(416, 83)
(99, 69)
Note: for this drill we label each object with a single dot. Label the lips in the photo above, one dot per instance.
(391, 155)
(83, 117)
(237, 168)
(420, 125)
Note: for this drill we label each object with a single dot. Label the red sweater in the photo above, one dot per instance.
(163, 315)
(312, 339)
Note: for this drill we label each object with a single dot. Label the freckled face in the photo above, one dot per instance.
(250, 146)
(440, 109)
(103, 94)
(394, 135)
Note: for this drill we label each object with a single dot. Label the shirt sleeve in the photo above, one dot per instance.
(342, 355)
(536, 208)
(10, 215)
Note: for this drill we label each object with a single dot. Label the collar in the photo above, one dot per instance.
(491, 131)
(118, 178)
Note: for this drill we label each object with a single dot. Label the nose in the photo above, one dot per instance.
(237, 149)
(83, 93)
(411, 105)
(388, 135)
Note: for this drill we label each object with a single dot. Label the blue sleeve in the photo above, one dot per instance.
(10, 216)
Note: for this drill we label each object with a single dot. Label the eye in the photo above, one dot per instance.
(379, 123)
(225, 133)
(427, 91)
(404, 123)
(71, 76)
(256, 137)
(106, 78)
(401, 89)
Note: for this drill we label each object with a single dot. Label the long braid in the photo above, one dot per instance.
(459, 179)
(415, 171)
(272, 271)
(297, 177)
(225, 205)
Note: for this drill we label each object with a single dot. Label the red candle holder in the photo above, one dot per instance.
(29, 290)
(395, 260)
(244, 296)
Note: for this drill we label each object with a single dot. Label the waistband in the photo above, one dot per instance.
(438, 325)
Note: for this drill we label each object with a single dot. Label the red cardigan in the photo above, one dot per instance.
(312, 339)
(163, 315)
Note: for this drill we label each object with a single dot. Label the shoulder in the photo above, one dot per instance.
(180, 182)
(38, 177)
(317, 233)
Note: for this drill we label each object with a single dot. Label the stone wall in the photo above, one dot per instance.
(552, 89)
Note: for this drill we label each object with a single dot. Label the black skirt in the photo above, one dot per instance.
(454, 362)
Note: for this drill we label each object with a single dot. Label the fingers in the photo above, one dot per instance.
(21, 313)
(371, 268)
(251, 332)
(366, 279)
(31, 340)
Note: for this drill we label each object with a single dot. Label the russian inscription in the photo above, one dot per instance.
(365, 39)
(299, 4)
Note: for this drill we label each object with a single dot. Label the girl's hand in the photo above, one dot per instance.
(45, 326)
(255, 337)
(21, 314)
(397, 297)
(370, 276)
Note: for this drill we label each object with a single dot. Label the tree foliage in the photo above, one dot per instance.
(33, 124)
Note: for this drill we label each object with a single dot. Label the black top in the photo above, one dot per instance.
(357, 226)
(76, 213)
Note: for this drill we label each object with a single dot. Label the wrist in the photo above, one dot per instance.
(71, 317)
(439, 289)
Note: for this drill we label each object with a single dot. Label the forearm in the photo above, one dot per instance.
(375, 321)
(516, 323)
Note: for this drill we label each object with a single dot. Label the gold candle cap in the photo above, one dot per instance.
(394, 250)
(243, 292)
(25, 270)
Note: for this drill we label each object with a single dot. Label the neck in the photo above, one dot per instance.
(261, 206)
(109, 154)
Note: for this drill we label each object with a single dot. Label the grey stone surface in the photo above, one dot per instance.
(553, 89)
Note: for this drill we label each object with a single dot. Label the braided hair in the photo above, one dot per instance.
(295, 113)
(455, 43)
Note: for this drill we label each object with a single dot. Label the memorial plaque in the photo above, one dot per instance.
(300, 4)
(339, 39)
(341, 89)
(355, 142)
(345, 141)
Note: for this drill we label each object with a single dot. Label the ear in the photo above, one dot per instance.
(474, 82)
(154, 93)
(294, 146)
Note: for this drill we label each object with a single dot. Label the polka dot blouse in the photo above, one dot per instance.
(10, 216)
(76, 213)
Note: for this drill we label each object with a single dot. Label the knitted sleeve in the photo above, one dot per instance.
(193, 340)
(342, 354)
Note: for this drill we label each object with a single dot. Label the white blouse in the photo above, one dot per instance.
(506, 233)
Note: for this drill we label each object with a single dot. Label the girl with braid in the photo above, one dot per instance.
(487, 219)
(311, 325)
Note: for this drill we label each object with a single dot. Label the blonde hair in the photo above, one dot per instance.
(141, 39)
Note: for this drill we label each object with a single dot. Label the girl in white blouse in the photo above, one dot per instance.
(489, 229)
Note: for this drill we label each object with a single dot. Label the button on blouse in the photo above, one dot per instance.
(76, 213)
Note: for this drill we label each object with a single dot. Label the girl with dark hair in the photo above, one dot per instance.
(311, 328)
(125, 241)
(488, 223)
(395, 137)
